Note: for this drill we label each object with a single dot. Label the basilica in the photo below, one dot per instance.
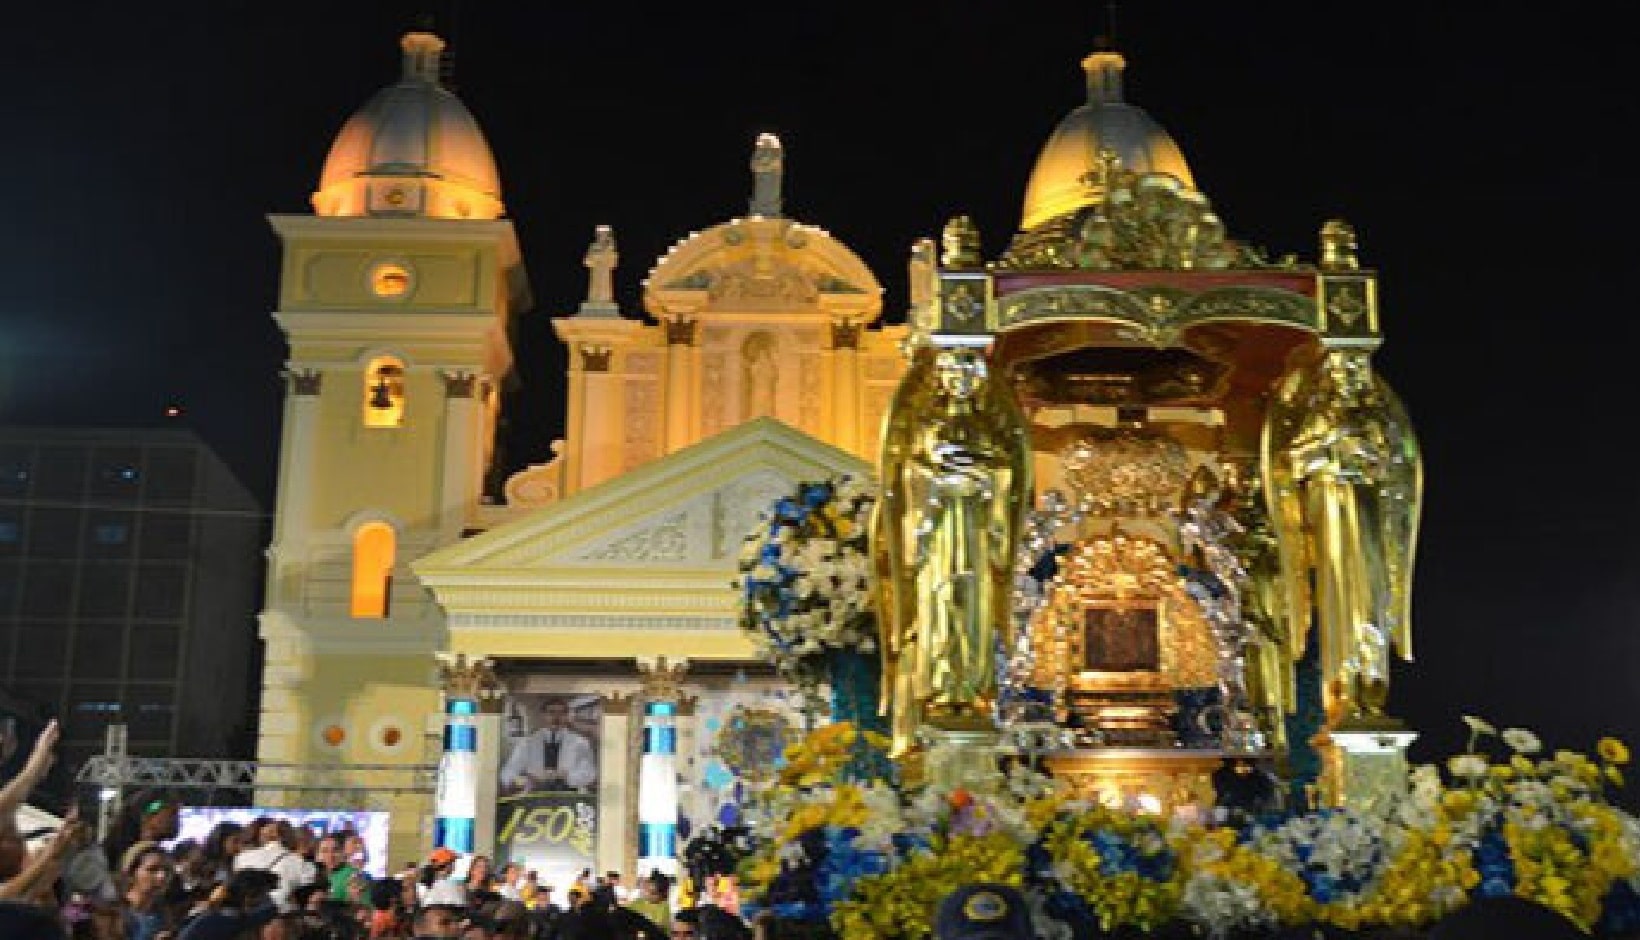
(570, 650)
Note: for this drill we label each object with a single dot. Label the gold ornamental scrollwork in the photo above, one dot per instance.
(1054, 303)
(1146, 221)
(1250, 303)
(1124, 572)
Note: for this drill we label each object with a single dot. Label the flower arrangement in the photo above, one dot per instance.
(871, 861)
(805, 581)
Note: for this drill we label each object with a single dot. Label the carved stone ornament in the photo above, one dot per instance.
(459, 384)
(680, 331)
(472, 680)
(1146, 221)
(667, 540)
(845, 334)
(595, 358)
(662, 681)
(305, 381)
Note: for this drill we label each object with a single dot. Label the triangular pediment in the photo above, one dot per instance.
(664, 538)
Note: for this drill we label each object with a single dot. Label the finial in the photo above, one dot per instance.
(960, 242)
(768, 163)
(1104, 72)
(422, 51)
(600, 260)
(1338, 246)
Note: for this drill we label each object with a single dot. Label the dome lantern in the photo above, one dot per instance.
(413, 150)
(1070, 169)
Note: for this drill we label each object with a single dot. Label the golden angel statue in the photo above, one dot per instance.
(1344, 481)
(956, 475)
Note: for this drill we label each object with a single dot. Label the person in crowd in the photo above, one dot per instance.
(685, 925)
(276, 853)
(20, 921)
(512, 921)
(529, 889)
(146, 817)
(480, 876)
(237, 908)
(440, 866)
(351, 863)
(145, 873)
(441, 913)
(327, 858)
(222, 843)
(983, 912)
(651, 901)
(507, 883)
(388, 915)
(192, 869)
(553, 757)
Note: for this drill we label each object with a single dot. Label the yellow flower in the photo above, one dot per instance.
(1614, 774)
(1612, 751)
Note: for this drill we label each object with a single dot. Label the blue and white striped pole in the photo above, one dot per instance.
(456, 805)
(658, 790)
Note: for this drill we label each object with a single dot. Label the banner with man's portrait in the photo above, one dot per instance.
(547, 788)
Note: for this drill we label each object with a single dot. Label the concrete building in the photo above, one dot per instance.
(129, 578)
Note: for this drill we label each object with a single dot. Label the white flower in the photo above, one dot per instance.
(1467, 766)
(1522, 741)
(1478, 726)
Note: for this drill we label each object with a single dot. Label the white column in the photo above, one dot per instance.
(299, 445)
(489, 771)
(603, 421)
(462, 474)
(614, 785)
(658, 767)
(680, 381)
(845, 343)
(455, 806)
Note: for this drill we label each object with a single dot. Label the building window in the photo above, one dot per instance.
(10, 532)
(112, 533)
(384, 393)
(373, 551)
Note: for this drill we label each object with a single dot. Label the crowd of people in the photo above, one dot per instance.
(268, 879)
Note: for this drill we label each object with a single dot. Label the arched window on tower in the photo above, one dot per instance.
(374, 547)
(384, 393)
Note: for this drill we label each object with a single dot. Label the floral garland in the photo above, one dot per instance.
(805, 581)
(871, 861)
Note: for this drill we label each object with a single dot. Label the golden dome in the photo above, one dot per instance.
(1068, 169)
(412, 150)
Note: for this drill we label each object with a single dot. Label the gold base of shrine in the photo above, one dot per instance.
(1164, 781)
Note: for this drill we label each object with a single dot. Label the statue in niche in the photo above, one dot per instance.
(956, 482)
(758, 376)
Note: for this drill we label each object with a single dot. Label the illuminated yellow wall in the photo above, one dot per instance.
(435, 295)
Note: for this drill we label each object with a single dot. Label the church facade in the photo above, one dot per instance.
(604, 575)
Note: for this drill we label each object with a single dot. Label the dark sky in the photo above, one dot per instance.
(1473, 149)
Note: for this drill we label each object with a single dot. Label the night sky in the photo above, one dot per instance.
(1474, 152)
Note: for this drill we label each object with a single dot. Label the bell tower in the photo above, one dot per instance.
(395, 298)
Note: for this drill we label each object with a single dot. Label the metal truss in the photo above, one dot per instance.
(312, 786)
